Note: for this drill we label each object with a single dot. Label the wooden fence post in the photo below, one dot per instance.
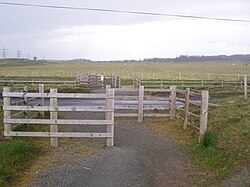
(204, 113)
(78, 79)
(115, 81)
(180, 77)
(53, 115)
(134, 83)
(102, 80)
(140, 104)
(119, 82)
(112, 80)
(6, 113)
(187, 96)
(41, 100)
(245, 86)
(26, 103)
(108, 87)
(138, 82)
(173, 102)
(110, 114)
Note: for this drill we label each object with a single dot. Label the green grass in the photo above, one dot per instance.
(14, 156)
(174, 71)
(126, 81)
(209, 139)
(225, 146)
(220, 164)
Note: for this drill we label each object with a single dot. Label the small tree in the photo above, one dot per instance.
(35, 58)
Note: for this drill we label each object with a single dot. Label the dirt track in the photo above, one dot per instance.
(139, 158)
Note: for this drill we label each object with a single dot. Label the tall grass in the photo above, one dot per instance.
(209, 139)
(225, 147)
(13, 158)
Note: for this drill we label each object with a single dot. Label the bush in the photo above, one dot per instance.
(209, 139)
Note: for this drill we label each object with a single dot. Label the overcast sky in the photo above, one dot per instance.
(67, 34)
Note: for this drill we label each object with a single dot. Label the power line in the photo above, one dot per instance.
(124, 11)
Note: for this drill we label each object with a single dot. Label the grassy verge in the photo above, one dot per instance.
(17, 154)
(13, 157)
(225, 149)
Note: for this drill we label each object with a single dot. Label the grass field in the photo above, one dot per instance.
(231, 126)
(205, 70)
(225, 148)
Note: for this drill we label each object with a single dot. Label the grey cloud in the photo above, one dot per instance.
(33, 29)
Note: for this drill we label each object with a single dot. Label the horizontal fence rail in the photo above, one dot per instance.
(140, 103)
(191, 107)
(93, 80)
(53, 109)
(194, 114)
(241, 84)
(36, 82)
(194, 83)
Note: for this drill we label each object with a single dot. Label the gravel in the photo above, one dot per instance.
(139, 158)
(240, 179)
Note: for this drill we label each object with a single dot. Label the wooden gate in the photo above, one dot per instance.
(11, 119)
(93, 80)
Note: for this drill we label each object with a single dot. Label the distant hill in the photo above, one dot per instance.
(80, 60)
(186, 58)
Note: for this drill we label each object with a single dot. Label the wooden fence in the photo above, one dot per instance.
(37, 82)
(53, 109)
(194, 112)
(127, 75)
(191, 107)
(141, 103)
(243, 84)
(137, 83)
(174, 104)
(184, 76)
(113, 80)
(93, 80)
(192, 83)
(90, 80)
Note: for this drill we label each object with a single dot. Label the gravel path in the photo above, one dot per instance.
(139, 158)
(240, 179)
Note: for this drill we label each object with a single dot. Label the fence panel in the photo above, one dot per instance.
(142, 101)
(195, 110)
(53, 108)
